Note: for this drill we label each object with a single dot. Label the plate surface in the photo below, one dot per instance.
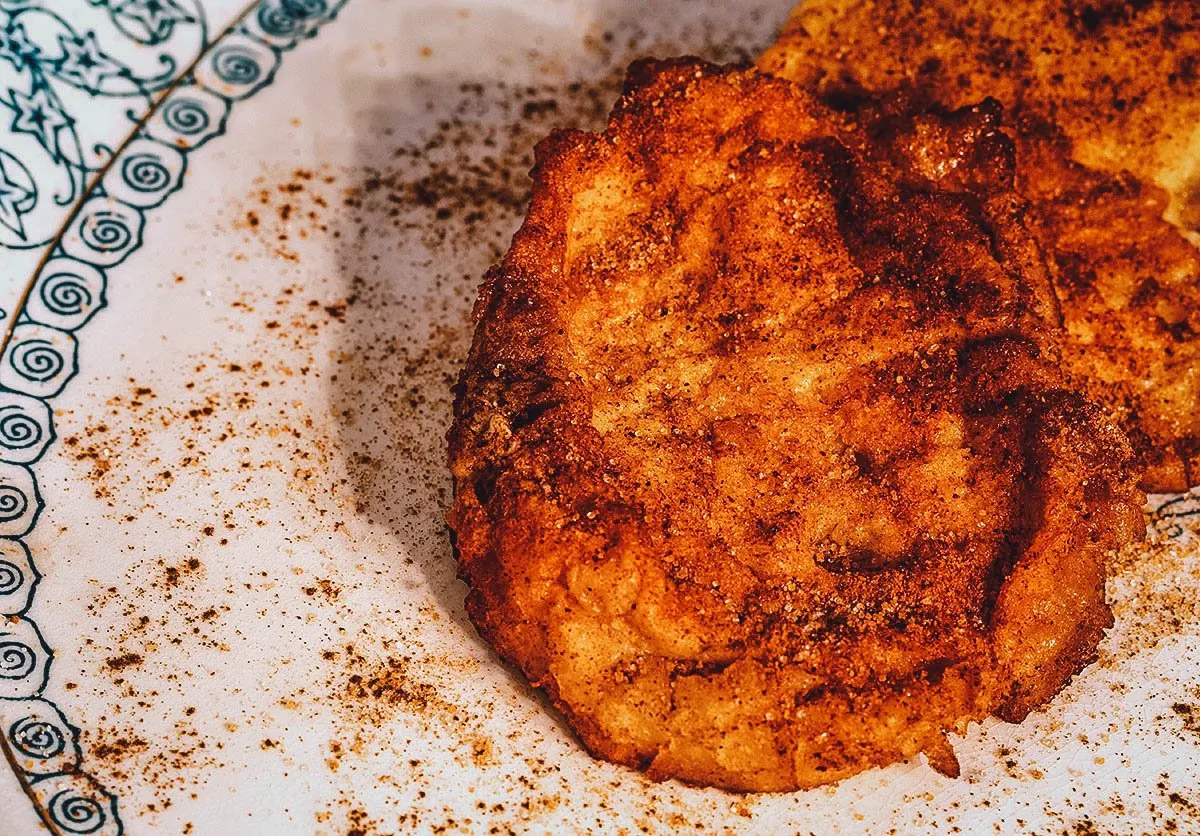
(238, 249)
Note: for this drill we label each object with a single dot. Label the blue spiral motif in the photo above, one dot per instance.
(185, 116)
(145, 173)
(37, 360)
(106, 231)
(305, 8)
(18, 431)
(36, 738)
(17, 660)
(11, 577)
(236, 65)
(64, 294)
(287, 17)
(13, 503)
(277, 21)
(76, 813)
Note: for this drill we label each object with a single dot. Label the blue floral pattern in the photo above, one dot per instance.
(175, 94)
(51, 68)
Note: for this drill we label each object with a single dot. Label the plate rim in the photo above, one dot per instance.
(39, 356)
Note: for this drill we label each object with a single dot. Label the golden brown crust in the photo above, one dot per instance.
(1121, 81)
(761, 468)
(1129, 286)
(1121, 78)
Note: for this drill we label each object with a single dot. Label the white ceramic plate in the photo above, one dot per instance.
(238, 248)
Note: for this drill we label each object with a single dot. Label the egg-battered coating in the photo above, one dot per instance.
(1120, 77)
(763, 466)
(1104, 99)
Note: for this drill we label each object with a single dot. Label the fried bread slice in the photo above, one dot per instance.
(763, 466)
(1104, 100)
(1120, 78)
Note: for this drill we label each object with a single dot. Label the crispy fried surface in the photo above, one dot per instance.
(1121, 82)
(1129, 286)
(760, 469)
(1120, 77)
